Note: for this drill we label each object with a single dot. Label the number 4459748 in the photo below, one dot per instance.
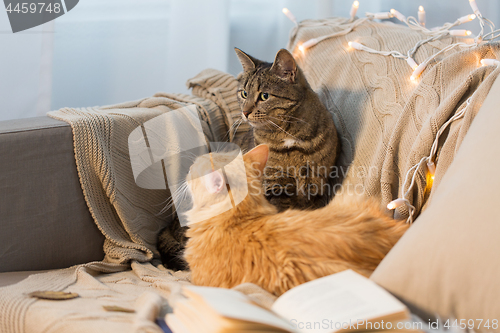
(34, 7)
(471, 324)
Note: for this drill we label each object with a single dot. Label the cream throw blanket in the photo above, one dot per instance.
(385, 123)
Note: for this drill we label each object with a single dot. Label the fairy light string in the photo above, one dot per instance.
(446, 30)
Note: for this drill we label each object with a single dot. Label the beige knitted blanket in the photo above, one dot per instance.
(385, 123)
(129, 216)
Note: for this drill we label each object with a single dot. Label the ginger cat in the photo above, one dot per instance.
(277, 251)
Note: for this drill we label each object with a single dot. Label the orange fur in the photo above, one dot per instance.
(278, 251)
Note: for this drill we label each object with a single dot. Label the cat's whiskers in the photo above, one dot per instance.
(298, 119)
(177, 196)
(237, 128)
(270, 128)
(281, 120)
(190, 156)
(236, 125)
(278, 127)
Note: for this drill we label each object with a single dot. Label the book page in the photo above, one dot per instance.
(233, 304)
(340, 301)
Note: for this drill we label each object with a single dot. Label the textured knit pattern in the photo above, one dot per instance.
(385, 124)
(127, 215)
(221, 88)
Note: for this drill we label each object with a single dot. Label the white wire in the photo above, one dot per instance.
(394, 54)
(426, 159)
(434, 34)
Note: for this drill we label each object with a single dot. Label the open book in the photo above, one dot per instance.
(345, 302)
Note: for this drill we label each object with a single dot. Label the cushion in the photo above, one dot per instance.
(448, 262)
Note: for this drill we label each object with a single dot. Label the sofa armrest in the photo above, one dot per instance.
(44, 220)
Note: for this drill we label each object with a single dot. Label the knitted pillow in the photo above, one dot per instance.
(448, 262)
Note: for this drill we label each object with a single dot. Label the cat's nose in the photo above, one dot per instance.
(247, 113)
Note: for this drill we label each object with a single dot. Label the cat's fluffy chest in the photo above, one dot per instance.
(290, 142)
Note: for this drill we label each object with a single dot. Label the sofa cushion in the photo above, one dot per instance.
(44, 221)
(447, 263)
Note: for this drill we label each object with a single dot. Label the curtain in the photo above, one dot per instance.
(108, 51)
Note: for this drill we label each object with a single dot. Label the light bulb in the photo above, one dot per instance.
(383, 16)
(290, 16)
(354, 8)
(416, 73)
(412, 63)
(395, 204)
(398, 15)
(466, 18)
(431, 167)
(474, 7)
(421, 15)
(490, 62)
(355, 45)
(460, 32)
(301, 48)
(309, 43)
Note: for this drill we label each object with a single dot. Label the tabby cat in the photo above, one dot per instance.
(254, 243)
(288, 116)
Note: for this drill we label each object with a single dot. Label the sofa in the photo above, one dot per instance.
(446, 266)
(40, 193)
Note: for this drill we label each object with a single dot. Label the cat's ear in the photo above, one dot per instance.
(284, 66)
(214, 182)
(257, 157)
(248, 62)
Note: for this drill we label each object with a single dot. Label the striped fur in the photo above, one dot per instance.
(295, 125)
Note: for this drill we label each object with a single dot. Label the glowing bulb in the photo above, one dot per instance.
(395, 204)
(398, 15)
(474, 7)
(412, 63)
(421, 16)
(489, 62)
(383, 16)
(290, 16)
(432, 168)
(466, 18)
(354, 8)
(301, 48)
(309, 43)
(460, 32)
(355, 45)
(417, 71)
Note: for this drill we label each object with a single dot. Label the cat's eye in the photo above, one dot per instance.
(264, 96)
(243, 94)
